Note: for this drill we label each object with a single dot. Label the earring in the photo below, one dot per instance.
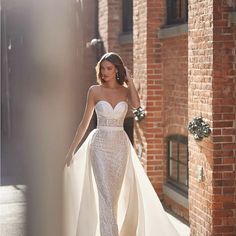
(117, 76)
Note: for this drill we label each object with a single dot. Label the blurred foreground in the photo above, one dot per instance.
(13, 211)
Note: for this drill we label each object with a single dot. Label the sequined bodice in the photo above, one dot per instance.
(107, 116)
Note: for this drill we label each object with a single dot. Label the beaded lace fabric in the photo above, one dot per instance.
(108, 152)
(106, 191)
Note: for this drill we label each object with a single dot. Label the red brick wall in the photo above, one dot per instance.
(179, 78)
(110, 29)
(200, 69)
(212, 95)
(175, 97)
(161, 67)
(103, 22)
(155, 108)
(140, 69)
(114, 24)
(175, 73)
(159, 64)
(224, 120)
(148, 17)
(109, 18)
(126, 52)
(233, 131)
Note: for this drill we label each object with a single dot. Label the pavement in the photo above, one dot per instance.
(13, 210)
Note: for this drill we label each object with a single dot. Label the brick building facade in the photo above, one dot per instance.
(182, 54)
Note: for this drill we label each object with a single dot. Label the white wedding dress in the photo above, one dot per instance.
(106, 191)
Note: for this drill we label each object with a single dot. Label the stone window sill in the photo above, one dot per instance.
(175, 196)
(173, 31)
(126, 38)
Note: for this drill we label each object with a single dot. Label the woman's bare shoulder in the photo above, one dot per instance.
(94, 88)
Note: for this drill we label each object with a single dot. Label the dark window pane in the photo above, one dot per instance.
(183, 174)
(173, 150)
(173, 170)
(127, 16)
(183, 150)
(178, 162)
(177, 11)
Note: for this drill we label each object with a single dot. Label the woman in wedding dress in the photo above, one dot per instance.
(106, 191)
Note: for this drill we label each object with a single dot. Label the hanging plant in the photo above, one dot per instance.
(139, 114)
(199, 128)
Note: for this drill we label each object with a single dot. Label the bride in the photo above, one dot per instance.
(106, 192)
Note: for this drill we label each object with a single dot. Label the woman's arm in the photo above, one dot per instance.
(89, 108)
(133, 96)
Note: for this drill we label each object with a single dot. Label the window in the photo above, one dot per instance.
(127, 17)
(177, 11)
(177, 154)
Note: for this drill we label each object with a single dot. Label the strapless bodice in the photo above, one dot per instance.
(107, 116)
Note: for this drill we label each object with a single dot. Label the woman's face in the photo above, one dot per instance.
(108, 71)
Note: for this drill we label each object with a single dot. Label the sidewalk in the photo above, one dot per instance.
(13, 209)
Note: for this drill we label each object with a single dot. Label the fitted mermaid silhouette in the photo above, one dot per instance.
(107, 192)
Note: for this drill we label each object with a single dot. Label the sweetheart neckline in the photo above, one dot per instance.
(113, 108)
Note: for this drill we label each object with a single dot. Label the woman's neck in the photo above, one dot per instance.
(111, 84)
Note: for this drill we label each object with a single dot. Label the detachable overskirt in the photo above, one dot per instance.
(139, 210)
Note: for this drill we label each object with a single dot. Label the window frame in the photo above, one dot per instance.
(175, 183)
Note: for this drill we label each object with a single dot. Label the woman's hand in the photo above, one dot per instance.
(133, 96)
(69, 158)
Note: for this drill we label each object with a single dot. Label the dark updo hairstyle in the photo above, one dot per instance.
(116, 60)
